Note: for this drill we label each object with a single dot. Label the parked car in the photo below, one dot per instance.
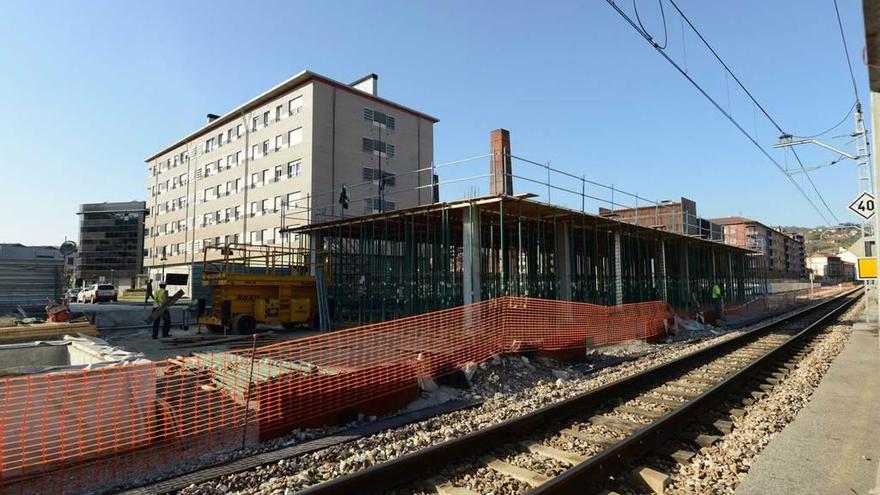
(98, 292)
(71, 294)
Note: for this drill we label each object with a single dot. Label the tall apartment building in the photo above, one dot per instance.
(289, 153)
(673, 216)
(111, 242)
(783, 253)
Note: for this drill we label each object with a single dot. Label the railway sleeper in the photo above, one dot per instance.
(524, 475)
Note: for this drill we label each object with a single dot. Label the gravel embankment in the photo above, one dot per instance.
(719, 469)
(509, 386)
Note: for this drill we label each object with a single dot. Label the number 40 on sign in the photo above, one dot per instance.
(863, 206)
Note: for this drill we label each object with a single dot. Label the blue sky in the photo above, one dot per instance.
(92, 88)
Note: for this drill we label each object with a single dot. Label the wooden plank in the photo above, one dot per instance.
(638, 411)
(682, 456)
(562, 456)
(588, 437)
(443, 486)
(661, 401)
(623, 425)
(650, 478)
(528, 477)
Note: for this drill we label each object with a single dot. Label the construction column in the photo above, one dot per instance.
(471, 255)
(662, 271)
(563, 262)
(618, 271)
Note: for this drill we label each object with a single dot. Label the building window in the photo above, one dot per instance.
(266, 147)
(264, 206)
(266, 118)
(236, 215)
(256, 237)
(278, 111)
(279, 203)
(377, 147)
(229, 135)
(255, 177)
(254, 150)
(256, 122)
(372, 174)
(239, 130)
(295, 105)
(380, 118)
(294, 168)
(279, 173)
(237, 185)
(373, 204)
(253, 208)
(293, 199)
(238, 157)
(279, 140)
(294, 137)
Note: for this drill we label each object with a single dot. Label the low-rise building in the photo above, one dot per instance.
(679, 217)
(111, 243)
(830, 268)
(783, 253)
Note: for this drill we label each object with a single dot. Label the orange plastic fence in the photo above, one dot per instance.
(65, 432)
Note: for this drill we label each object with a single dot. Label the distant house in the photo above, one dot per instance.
(831, 268)
(783, 251)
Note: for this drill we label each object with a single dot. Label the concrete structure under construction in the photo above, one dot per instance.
(29, 275)
(393, 264)
(783, 253)
(290, 150)
(679, 217)
(111, 243)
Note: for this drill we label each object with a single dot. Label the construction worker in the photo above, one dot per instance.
(159, 298)
(148, 291)
(716, 300)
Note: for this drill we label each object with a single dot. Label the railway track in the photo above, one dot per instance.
(583, 444)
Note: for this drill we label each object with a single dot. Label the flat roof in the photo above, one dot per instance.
(294, 82)
(543, 210)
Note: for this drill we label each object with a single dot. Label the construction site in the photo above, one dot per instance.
(307, 302)
(399, 299)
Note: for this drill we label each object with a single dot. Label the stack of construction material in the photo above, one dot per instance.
(44, 331)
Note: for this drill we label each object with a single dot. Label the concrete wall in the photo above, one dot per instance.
(29, 275)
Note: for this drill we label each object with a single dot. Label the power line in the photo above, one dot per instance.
(846, 51)
(835, 126)
(755, 101)
(662, 52)
(729, 117)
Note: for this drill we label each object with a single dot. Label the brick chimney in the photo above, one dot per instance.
(500, 169)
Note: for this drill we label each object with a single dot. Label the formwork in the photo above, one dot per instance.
(410, 261)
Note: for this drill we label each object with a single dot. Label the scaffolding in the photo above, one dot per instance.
(413, 260)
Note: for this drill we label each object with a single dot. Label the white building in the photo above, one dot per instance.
(291, 148)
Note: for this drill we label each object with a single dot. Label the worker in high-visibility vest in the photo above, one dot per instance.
(159, 298)
(716, 300)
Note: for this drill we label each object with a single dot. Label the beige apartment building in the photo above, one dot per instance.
(283, 159)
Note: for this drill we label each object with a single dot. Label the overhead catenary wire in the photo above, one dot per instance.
(835, 126)
(714, 102)
(761, 107)
(846, 52)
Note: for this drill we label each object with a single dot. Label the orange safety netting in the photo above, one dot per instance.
(90, 428)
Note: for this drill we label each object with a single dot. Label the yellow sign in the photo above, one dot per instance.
(867, 268)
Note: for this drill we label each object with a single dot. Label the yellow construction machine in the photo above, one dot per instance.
(258, 284)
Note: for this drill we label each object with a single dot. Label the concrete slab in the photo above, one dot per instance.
(833, 445)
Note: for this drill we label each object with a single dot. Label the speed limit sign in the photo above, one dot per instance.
(863, 206)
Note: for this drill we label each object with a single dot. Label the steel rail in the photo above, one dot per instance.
(424, 463)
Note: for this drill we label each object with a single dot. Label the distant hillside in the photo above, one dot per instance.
(827, 240)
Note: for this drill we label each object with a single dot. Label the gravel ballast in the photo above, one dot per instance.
(719, 469)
